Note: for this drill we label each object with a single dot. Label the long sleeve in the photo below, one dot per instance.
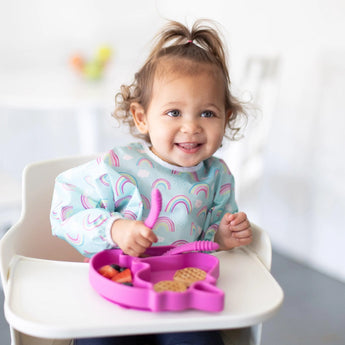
(224, 201)
(84, 204)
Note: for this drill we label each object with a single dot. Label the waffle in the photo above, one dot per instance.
(189, 275)
(170, 285)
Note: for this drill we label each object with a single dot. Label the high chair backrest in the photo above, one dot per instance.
(32, 236)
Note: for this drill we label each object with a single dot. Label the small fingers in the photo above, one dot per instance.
(135, 249)
(239, 222)
(241, 226)
(244, 241)
(133, 252)
(143, 242)
(242, 234)
(238, 218)
(149, 235)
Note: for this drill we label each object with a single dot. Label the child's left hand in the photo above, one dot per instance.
(234, 231)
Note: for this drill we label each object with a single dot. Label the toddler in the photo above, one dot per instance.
(181, 106)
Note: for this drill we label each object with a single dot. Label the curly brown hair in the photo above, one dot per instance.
(200, 45)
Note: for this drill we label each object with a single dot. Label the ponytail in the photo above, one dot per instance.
(200, 45)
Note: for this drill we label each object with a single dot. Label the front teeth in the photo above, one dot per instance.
(189, 145)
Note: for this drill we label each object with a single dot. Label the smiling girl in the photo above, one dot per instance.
(180, 104)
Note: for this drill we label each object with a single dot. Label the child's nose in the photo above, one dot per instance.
(191, 127)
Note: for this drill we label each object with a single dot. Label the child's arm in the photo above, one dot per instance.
(84, 207)
(82, 219)
(234, 231)
(225, 224)
(133, 237)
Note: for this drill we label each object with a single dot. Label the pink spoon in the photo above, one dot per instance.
(199, 246)
(156, 206)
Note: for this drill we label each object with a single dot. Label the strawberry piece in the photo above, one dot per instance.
(108, 272)
(123, 277)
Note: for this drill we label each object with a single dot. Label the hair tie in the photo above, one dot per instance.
(190, 41)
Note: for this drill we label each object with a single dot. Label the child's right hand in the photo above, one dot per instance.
(132, 236)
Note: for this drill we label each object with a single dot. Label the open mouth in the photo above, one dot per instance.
(189, 147)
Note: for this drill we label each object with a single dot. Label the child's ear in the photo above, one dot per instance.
(139, 117)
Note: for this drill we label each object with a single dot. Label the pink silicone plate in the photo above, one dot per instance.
(202, 295)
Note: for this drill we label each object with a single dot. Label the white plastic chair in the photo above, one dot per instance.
(31, 237)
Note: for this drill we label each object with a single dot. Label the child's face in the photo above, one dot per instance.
(186, 117)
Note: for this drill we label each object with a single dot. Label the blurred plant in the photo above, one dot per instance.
(92, 69)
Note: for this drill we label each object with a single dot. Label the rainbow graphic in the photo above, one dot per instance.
(112, 159)
(179, 200)
(109, 158)
(144, 162)
(202, 212)
(225, 167)
(104, 203)
(212, 229)
(66, 212)
(225, 189)
(103, 238)
(69, 187)
(77, 241)
(146, 202)
(104, 179)
(122, 181)
(219, 213)
(87, 202)
(56, 211)
(161, 182)
(129, 215)
(99, 159)
(193, 230)
(55, 215)
(129, 177)
(89, 180)
(119, 202)
(179, 242)
(193, 175)
(90, 223)
(200, 187)
(164, 223)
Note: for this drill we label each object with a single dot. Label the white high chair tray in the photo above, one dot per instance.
(54, 299)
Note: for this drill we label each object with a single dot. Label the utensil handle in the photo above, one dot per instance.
(199, 246)
(156, 206)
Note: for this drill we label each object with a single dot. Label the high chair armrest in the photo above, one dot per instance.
(261, 245)
(8, 247)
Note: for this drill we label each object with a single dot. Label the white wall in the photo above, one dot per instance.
(290, 55)
(299, 197)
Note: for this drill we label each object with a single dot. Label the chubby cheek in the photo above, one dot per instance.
(161, 135)
(161, 142)
(216, 137)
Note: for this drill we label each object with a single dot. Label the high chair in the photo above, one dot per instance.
(49, 301)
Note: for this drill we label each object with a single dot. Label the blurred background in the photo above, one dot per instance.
(287, 57)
